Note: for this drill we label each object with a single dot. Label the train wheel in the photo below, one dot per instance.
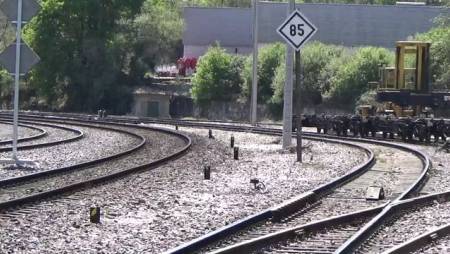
(318, 130)
(384, 134)
(403, 136)
(373, 134)
(391, 135)
(325, 130)
(345, 133)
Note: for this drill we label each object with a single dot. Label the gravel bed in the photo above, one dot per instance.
(53, 134)
(394, 170)
(173, 204)
(442, 245)
(159, 146)
(6, 132)
(439, 176)
(95, 144)
(409, 225)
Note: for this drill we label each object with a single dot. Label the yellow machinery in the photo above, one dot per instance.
(405, 88)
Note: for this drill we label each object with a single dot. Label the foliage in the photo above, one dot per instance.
(218, 76)
(269, 58)
(351, 79)
(439, 55)
(158, 29)
(6, 82)
(315, 58)
(79, 68)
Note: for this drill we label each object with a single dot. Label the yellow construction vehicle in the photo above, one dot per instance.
(406, 88)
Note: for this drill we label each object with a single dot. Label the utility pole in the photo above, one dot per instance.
(288, 89)
(254, 98)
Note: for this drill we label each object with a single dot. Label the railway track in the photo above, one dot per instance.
(52, 138)
(344, 199)
(30, 188)
(40, 133)
(332, 235)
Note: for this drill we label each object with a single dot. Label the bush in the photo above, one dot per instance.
(351, 78)
(315, 58)
(218, 76)
(270, 57)
(6, 82)
(439, 55)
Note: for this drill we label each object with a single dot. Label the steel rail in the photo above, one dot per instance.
(369, 228)
(41, 134)
(420, 241)
(79, 135)
(79, 166)
(399, 207)
(109, 177)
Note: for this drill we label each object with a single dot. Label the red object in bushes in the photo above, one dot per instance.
(186, 63)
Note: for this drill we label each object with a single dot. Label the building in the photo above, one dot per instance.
(164, 99)
(349, 25)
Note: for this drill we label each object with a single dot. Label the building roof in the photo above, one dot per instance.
(164, 89)
(342, 24)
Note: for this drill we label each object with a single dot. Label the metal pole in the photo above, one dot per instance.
(17, 79)
(288, 89)
(254, 105)
(298, 105)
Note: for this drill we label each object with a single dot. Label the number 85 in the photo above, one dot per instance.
(297, 29)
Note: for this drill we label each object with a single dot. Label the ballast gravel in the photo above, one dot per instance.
(6, 132)
(95, 144)
(439, 175)
(153, 211)
(408, 225)
(441, 245)
(54, 134)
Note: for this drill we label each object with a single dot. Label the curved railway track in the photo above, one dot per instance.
(342, 233)
(39, 143)
(41, 133)
(41, 185)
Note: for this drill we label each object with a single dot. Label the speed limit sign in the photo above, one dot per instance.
(297, 30)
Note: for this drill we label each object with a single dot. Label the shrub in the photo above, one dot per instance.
(218, 76)
(315, 58)
(351, 78)
(439, 55)
(269, 58)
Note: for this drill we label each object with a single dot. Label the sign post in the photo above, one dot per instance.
(19, 12)
(296, 30)
(288, 89)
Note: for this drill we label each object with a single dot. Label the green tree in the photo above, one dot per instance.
(157, 29)
(315, 57)
(439, 53)
(79, 70)
(351, 79)
(269, 58)
(218, 76)
(6, 82)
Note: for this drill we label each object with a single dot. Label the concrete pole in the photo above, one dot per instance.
(288, 89)
(254, 106)
(17, 79)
